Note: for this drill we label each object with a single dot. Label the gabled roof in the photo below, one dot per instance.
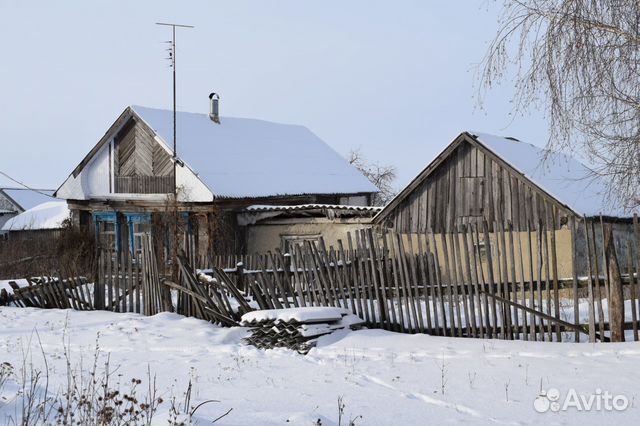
(242, 158)
(561, 176)
(17, 197)
(8, 204)
(28, 198)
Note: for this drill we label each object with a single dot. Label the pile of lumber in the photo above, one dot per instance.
(295, 328)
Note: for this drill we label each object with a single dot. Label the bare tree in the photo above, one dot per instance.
(381, 176)
(579, 61)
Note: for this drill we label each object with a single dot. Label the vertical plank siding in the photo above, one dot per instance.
(470, 186)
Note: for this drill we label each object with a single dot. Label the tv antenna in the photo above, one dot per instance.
(172, 59)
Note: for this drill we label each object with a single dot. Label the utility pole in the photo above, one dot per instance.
(172, 58)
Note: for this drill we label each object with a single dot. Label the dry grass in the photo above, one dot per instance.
(91, 397)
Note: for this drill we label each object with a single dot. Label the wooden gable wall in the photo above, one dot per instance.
(469, 185)
(7, 203)
(141, 164)
(138, 154)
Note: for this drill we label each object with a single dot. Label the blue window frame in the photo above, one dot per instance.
(107, 230)
(137, 226)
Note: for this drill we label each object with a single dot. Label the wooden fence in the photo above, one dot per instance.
(468, 283)
(128, 284)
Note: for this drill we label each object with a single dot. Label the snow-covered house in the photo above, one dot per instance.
(45, 217)
(125, 185)
(14, 200)
(505, 182)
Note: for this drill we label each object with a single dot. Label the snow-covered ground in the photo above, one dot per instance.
(387, 378)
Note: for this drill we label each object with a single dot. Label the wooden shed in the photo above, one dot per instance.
(504, 182)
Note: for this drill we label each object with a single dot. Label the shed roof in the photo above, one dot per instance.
(246, 158)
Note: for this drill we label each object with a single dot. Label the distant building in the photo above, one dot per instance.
(46, 218)
(14, 201)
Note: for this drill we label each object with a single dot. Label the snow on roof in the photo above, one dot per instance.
(243, 158)
(28, 198)
(562, 176)
(49, 215)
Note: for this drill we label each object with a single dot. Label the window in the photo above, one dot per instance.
(139, 225)
(107, 231)
(289, 241)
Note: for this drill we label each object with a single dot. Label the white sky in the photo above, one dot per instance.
(396, 79)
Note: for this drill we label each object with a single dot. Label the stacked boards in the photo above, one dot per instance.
(296, 328)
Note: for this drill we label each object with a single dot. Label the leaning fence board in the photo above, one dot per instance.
(408, 286)
(548, 317)
(597, 278)
(525, 325)
(632, 288)
(474, 278)
(539, 269)
(424, 272)
(512, 286)
(460, 286)
(378, 280)
(554, 272)
(438, 283)
(404, 279)
(494, 304)
(574, 267)
(396, 280)
(503, 279)
(455, 320)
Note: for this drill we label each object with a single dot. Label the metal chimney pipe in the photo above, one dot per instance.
(214, 101)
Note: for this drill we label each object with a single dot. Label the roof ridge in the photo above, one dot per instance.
(133, 106)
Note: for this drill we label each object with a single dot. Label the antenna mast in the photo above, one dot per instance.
(172, 58)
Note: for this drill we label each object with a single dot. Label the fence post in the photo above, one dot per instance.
(240, 277)
(616, 306)
(98, 289)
